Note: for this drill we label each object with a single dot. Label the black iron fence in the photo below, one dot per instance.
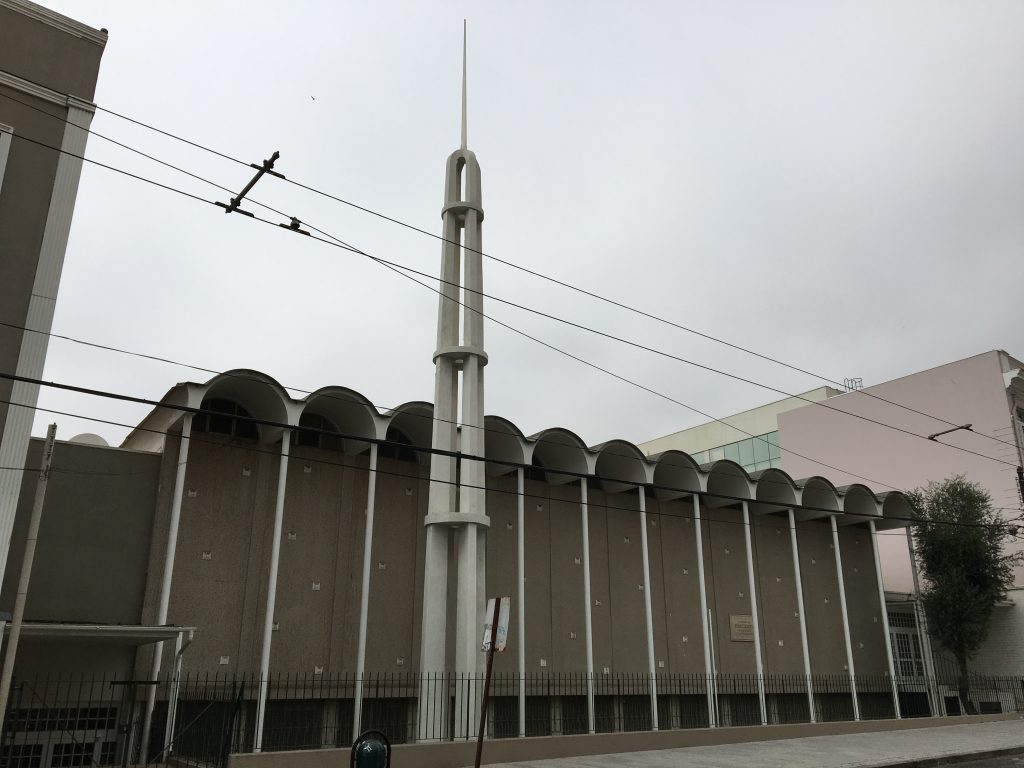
(67, 721)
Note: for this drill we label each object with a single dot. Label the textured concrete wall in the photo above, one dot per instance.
(821, 598)
(227, 513)
(678, 599)
(1003, 651)
(93, 547)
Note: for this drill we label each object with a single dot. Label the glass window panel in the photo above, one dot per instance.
(760, 449)
(773, 437)
(716, 454)
(746, 452)
(774, 452)
(732, 451)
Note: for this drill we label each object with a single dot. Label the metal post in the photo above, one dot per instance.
(846, 618)
(268, 619)
(803, 617)
(708, 665)
(648, 614)
(752, 587)
(487, 682)
(364, 603)
(587, 602)
(165, 582)
(885, 620)
(26, 569)
(521, 592)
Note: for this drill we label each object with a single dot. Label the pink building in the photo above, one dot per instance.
(874, 436)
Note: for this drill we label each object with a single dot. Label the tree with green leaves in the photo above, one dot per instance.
(959, 547)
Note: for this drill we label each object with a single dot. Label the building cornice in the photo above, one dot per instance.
(41, 91)
(56, 20)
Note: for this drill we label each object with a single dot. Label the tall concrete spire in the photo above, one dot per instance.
(457, 513)
(464, 84)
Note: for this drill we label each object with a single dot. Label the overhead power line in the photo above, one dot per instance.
(548, 278)
(401, 269)
(569, 286)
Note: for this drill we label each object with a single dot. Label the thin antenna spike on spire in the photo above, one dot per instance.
(464, 84)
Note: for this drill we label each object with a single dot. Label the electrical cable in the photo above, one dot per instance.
(556, 281)
(395, 266)
(540, 275)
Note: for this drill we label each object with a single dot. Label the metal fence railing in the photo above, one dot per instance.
(83, 720)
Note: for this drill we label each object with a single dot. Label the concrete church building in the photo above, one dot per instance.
(337, 558)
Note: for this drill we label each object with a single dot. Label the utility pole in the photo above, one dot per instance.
(26, 570)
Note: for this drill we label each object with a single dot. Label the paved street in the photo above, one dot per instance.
(848, 751)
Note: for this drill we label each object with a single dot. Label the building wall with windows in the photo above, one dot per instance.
(744, 437)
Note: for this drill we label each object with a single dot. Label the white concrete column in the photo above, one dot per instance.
(709, 671)
(846, 618)
(936, 702)
(752, 587)
(521, 592)
(441, 502)
(268, 619)
(432, 712)
(803, 616)
(39, 318)
(466, 693)
(364, 598)
(884, 618)
(648, 614)
(587, 601)
(165, 582)
(172, 700)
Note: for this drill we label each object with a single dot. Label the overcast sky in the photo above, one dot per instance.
(838, 185)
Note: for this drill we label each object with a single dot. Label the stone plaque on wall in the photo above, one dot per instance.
(741, 628)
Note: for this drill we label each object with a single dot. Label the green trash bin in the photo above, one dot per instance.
(371, 750)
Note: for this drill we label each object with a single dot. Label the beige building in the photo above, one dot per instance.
(750, 438)
(48, 69)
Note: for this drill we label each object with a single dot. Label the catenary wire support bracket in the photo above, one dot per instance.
(295, 226)
(267, 167)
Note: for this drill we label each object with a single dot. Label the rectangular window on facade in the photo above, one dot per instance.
(5, 148)
(761, 453)
(746, 452)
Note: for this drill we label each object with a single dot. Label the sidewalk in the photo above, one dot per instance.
(861, 750)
